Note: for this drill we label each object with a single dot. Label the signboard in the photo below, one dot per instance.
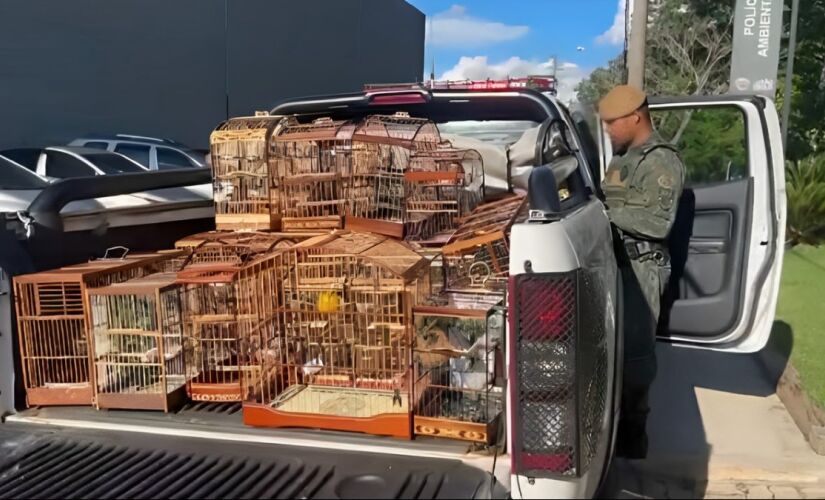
(757, 38)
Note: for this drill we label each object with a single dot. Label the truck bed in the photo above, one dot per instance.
(51, 461)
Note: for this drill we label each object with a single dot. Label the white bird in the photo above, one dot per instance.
(580, 48)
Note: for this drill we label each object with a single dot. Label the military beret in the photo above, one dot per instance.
(621, 101)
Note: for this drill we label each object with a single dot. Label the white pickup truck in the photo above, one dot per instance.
(563, 343)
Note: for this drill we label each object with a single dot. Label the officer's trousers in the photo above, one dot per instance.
(643, 286)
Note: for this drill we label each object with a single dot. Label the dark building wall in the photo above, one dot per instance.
(176, 68)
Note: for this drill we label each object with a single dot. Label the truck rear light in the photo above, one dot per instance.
(557, 395)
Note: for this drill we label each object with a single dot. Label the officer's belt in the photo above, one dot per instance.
(637, 250)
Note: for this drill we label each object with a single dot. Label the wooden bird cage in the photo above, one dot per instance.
(138, 344)
(441, 186)
(53, 325)
(458, 354)
(478, 254)
(339, 341)
(383, 147)
(212, 317)
(246, 194)
(312, 162)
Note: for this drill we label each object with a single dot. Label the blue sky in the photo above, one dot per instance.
(486, 38)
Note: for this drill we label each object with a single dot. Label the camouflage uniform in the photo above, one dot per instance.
(642, 189)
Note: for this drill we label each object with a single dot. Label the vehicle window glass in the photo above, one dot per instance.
(62, 166)
(499, 132)
(712, 141)
(136, 152)
(14, 177)
(97, 145)
(113, 163)
(26, 157)
(169, 159)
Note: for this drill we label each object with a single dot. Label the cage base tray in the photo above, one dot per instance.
(484, 433)
(137, 401)
(76, 395)
(337, 409)
(253, 222)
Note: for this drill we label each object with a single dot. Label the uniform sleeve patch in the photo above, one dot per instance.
(665, 182)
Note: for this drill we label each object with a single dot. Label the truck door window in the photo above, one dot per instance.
(712, 141)
(63, 166)
(97, 145)
(136, 152)
(169, 159)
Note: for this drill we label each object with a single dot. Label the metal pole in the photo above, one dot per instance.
(786, 106)
(636, 48)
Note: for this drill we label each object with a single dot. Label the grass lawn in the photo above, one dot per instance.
(802, 306)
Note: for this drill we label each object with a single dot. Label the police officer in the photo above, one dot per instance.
(642, 188)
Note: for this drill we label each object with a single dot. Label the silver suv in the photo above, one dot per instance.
(151, 152)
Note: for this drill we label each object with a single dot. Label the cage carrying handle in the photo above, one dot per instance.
(111, 249)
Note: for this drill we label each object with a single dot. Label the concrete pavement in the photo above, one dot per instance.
(718, 430)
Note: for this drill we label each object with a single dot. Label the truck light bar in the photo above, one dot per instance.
(540, 83)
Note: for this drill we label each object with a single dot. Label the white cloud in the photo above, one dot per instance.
(479, 68)
(616, 34)
(455, 28)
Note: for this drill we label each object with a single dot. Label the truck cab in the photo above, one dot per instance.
(562, 366)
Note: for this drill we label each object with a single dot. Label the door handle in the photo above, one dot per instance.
(707, 246)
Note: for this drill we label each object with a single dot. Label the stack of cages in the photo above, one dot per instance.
(383, 147)
(459, 356)
(441, 186)
(477, 256)
(312, 163)
(53, 318)
(339, 341)
(460, 344)
(246, 196)
(138, 344)
(210, 307)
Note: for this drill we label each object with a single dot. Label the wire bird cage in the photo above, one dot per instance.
(478, 254)
(138, 344)
(338, 344)
(246, 194)
(312, 162)
(211, 312)
(53, 323)
(383, 147)
(458, 353)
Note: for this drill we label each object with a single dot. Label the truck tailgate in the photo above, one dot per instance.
(49, 462)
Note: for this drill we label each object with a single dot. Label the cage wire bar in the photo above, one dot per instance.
(53, 318)
(459, 356)
(477, 255)
(139, 350)
(212, 318)
(245, 191)
(338, 344)
(311, 164)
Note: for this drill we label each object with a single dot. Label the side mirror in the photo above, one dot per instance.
(543, 194)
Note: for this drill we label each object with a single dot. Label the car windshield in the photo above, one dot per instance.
(113, 164)
(14, 177)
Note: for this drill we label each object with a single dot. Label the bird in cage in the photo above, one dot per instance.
(328, 302)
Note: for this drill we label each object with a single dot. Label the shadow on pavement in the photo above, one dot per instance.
(677, 465)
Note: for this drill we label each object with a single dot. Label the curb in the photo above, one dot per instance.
(807, 415)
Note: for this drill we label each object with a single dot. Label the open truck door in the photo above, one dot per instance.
(728, 241)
